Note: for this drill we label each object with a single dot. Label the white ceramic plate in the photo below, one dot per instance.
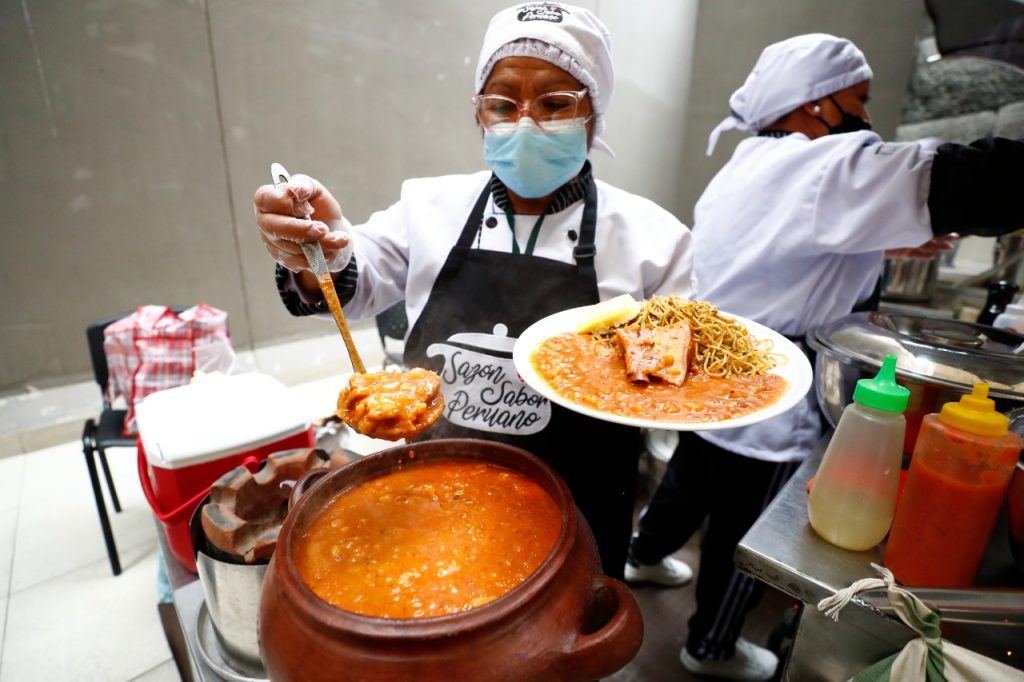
(794, 368)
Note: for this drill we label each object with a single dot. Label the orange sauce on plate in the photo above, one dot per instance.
(428, 540)
(591, 373)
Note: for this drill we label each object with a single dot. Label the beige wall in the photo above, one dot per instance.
(135, 132)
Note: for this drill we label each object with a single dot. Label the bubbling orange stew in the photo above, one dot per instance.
(428, 539)
(590, 372)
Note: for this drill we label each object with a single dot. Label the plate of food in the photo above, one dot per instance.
(664, 363)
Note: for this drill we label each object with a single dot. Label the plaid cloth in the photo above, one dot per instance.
(154, 348)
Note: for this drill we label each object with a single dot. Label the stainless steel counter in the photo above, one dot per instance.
(782, 550)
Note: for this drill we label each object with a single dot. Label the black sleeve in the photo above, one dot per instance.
(978, 188)
(298, 305)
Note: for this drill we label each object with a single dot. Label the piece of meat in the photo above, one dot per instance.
(391, 405)
(660, 352)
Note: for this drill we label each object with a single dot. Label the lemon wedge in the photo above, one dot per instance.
(608, 313)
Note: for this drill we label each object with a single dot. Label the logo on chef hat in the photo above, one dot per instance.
(542, 11)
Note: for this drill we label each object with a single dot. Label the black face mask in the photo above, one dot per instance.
(848, 124)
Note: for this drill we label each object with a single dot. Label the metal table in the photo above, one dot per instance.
(783, 550)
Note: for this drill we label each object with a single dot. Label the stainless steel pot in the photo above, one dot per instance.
(906, 278)
(231, 593)
(938, 359)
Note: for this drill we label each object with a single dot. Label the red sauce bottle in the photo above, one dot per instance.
(961, 468)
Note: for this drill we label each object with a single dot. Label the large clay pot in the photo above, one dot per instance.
(567, 621)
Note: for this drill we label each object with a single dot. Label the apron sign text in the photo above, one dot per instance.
(484, 392)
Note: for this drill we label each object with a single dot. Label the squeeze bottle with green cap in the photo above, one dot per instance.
(853, 495)
(962, 464)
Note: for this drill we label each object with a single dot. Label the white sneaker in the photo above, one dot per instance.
(668, 572)
(750, 663)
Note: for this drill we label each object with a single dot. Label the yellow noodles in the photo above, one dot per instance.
(722, 346)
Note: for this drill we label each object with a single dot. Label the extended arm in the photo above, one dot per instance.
(976, 188)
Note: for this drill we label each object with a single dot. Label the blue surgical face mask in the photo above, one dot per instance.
(534, 163)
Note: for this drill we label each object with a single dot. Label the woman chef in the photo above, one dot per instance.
(477, 258)
(790, 233)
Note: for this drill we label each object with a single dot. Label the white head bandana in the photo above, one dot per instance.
(570, 37)
(791, 73)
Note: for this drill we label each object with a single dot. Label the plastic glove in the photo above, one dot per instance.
(281, 216)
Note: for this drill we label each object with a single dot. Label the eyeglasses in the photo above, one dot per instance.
(552, 111)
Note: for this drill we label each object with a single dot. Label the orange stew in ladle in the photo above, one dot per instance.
(391, 405)
(385, 405)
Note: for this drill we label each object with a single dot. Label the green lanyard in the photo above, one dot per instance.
(510, 217)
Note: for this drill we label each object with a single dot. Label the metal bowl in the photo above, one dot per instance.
(906, 278)
(938, 359)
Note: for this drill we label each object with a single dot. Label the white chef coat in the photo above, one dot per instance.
(791, 233)
(642, 249)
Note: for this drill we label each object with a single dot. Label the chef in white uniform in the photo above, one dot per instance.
(791, 233)
(479, 257)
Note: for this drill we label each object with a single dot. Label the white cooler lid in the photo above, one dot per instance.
(216, 418)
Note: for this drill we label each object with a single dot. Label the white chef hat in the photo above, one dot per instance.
(570, 37)
(791, 73)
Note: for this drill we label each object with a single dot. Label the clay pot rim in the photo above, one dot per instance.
(348, 623)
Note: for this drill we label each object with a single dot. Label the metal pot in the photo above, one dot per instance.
(909, 278)
(231, 595)
(566, 622)
(938, 359)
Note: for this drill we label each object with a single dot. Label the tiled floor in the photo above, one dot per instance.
(63, 616)
(66, 617)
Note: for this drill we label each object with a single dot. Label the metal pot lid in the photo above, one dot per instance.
(934, 348)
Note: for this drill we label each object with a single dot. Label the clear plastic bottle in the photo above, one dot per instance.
(853, 495)
(962, 465)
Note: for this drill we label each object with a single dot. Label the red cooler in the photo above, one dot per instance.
(191, 435)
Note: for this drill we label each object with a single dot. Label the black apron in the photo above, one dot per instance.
(476, 291)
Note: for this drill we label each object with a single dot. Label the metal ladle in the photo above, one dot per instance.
(318, 265)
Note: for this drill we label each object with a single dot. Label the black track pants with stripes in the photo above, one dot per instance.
(705, 485)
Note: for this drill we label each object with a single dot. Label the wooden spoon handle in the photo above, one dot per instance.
(331, 296)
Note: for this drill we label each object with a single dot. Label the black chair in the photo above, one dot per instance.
(392, 324)
(105, 432)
